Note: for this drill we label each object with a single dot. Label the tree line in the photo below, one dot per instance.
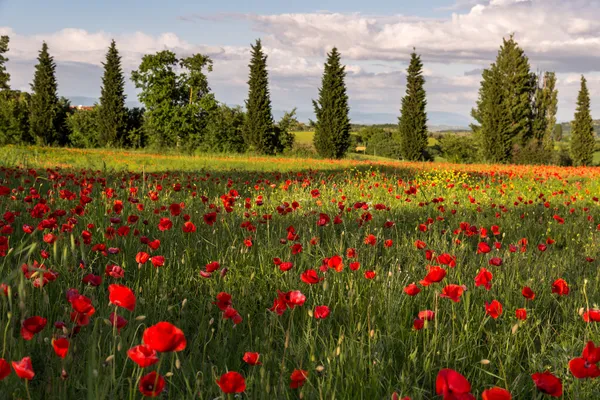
(515, 113)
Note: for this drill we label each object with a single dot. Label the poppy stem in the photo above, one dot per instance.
(27, 389)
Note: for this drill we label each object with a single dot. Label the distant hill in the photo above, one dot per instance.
(566, 126)
(438, 120)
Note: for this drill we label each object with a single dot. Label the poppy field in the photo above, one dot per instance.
(288, 279)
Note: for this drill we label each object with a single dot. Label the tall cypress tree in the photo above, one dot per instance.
(332, 129)
(544, 110)
(509, 106)
(112, 113)
(582, 131)
(4, 76)
(413, 118)
(44, 100)
(259, 131)
(495, 143)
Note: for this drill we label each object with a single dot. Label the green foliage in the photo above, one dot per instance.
(382, 143)
(332, 128)
(14, 117)
(44, 108)
(459, 149)
(544, 109)
(83, 126)
(504, 109)
(558, 132)
(112, 113)
(412, 130)
(224, 130)
(136, 134)
(284, 130)
(535, 152)
(259, 131)
(366, 133)
(62, 128)
(4, 75)
(582, 132)
(177, 102)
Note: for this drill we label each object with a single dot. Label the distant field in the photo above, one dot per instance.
(304, 137)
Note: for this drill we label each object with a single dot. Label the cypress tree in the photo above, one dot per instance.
(112, 113)
(259, 131)
(518, 85)
(504, 108)
(582, 131)
(544, 110)
(495, 144)
(4, 76)
(44, 100)
(413, 118)
(332, 129)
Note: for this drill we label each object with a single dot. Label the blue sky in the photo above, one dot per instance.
(456, 38)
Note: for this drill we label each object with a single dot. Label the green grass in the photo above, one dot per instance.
(367, 347)
(304, 138)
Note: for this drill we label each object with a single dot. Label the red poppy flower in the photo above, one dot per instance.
(354, 266)
(521, 314)
(493, 309)
(286, 266)
(426, 315)
(419, 244)
(371, 240)
(585, 366)
(61, 347)
(591, 315)
(336, 263)
(114, 271)
(435, 274)
(310, 277)
(447, 259)
(418, 324)
(495, 261)
(92, 280)
(121, 296)
(117, 320)
(23, 368)
(31, 326)
(560, 287)
(189, 227)
(4, 369)
(154, 245)
(496, 393)
(483, 248)
(212, 266)
(158, 261)
(251, 358)
(165, 224)
(223, 301)
(452, 385)
(452, 292)
(298, 378)
(143, 355)
(210, 218)
(412, 289)
(528, 293)
(484, 278)
(370, 274)
(164, 337)
(542, 247)
(151, 385)
(321, 312)
(548, 383)
(232, 382)
(142, 257)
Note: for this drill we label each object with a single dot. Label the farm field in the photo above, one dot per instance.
(131, 274)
